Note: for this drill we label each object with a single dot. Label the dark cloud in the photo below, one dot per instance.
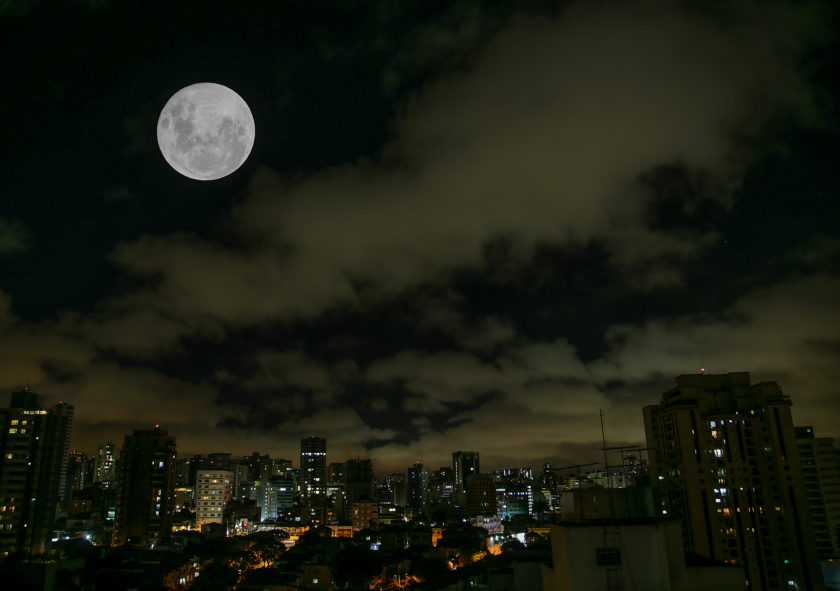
(467, 228)
(12, 237)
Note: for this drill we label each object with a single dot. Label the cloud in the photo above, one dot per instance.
(544, 137)
(556, 146)
(12, 237)
(787, 333)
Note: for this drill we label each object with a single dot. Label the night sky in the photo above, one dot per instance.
(463, 225)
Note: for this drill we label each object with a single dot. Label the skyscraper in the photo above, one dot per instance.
(313, 466)
(724, 456)
(145, 488)
(34, 444)
(464, 465)
(77, 473)
(104, 465)
(418, 489)
(821, 472)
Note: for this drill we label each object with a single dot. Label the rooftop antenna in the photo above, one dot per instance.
(604, 441)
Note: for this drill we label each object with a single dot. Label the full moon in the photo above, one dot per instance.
(205, 131)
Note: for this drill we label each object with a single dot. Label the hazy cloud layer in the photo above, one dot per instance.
(12, 237)
(520, 254)
(545, 137)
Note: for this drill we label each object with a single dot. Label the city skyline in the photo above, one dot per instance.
(608, 453)
(462, 226)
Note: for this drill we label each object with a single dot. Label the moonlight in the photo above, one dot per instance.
(205, 131)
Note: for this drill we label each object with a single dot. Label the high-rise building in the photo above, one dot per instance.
(313, 466)
(285, 490)
(34, 445)
(464, 465)
(280, 467)
(821, 472)
(418, 488)
(392, 490)
(440, 485)
(725, 460)
(212, 492)
(145, 488)
(260, 467)
(481, 495)
(514, 492)
(77, 473)
(104, 465)
(358, 480)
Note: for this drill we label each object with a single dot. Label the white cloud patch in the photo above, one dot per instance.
(544, 137)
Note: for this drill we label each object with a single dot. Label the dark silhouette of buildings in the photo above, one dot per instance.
(725, 461)
(145, 489)
(313, 467)
(34, 444)
(465, 464)
(358, 485)
(821, 472)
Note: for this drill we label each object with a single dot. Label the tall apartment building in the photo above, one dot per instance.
(821, 472)
(465, 464)
(393, 490)
(440, 485)
(77, 473)
(34, 445)
(313, 466)
(725, 461)
(481, 495)
(145, 496)
(212, 492)
(105, 465)
(358, 480)
(417, 488)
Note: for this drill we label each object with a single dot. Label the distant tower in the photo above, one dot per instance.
(418, 488)
(725, 461)
(77, 473)
(104, 465)
(313, 466)
(34, 444)
(358, 483)
(145, 488)
(465, 464)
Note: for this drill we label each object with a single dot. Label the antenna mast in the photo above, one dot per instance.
(604, 443)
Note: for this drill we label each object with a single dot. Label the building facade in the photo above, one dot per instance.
(313, 467)
(145, 495)
(104, 465)
(821, 472)
(465, 464)
(724, 460)
(34, 446)
(213, 490)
